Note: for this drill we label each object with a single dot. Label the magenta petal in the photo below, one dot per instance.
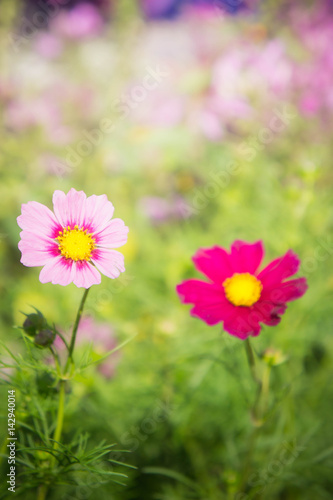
(244, 323)
(58, 271)
(246, 257)
(209, 301)
(114, 235)
(109, 262)
(86, 275)
(193, 291)
(69, 209)
(267, 312)
(285, 292)
(38, 219)
(275, 315)
(280, 269)
(214, 263)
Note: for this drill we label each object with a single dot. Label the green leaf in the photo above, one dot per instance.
(173, 475)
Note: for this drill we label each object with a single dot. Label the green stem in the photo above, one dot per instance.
(75, 327)
(264, 390)
(56, 358)
(42, 490)
(257, 411)
(60, 419)
(60, 416)
(251, 360)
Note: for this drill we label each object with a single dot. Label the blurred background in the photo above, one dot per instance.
(203, 122)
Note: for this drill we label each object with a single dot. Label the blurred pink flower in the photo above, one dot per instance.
(313, 75)
(161, 108)
(48, 45)
(160, 210)
(102, 338)
(82, 21)
(21, 114)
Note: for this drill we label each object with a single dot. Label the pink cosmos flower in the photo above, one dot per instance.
(238, 294)
(75, 242)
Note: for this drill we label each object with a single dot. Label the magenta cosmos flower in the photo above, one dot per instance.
(75, 242)
(239, 295)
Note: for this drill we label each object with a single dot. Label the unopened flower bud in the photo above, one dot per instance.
(33, 323)
(45, 338)
(273, 357)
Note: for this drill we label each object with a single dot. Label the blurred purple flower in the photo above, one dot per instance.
(160, 8)
(155, 9)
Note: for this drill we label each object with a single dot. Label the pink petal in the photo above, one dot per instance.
(285, 292)
(36, 250)
(99, 211)
(246, 257)
(114, 235)
(214, 263)
(37, 241)
(86, 275)
(58, 271)
(109, 262)
(280, 269)
(38, 219)
(69, 209)
(209, 300)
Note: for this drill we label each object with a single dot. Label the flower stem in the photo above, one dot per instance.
(60, 420)
(251, 360)
(257, 411)
(264, 390)
(75, 327)
(60, 416)
(42, 490)
(41, 493)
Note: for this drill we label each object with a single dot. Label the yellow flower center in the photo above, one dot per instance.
(75, 244)
(242, 289)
